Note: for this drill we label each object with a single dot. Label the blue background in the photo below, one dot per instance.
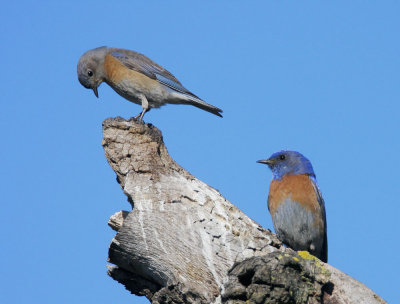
(318, 77)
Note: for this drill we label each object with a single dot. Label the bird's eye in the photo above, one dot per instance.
(282, 157)
(90, 73)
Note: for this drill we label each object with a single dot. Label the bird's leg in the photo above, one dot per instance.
(141, 114)
(137, 116)
(145, 106)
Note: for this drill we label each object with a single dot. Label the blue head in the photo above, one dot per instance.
(288, 162)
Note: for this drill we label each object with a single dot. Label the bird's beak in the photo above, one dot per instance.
(95, 92)
(265, 161)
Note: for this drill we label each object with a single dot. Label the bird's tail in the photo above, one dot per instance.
(197, 102)
(184, 96)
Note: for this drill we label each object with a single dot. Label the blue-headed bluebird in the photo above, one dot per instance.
(296, 204)
(136, 78)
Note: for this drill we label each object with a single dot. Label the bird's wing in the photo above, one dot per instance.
(322, 205)
(142, 64)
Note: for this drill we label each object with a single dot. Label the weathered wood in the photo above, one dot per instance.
(276, 278)
(182, 236)
(117, 220)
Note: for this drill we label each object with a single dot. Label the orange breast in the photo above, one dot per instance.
(117, 72)
(297, 188)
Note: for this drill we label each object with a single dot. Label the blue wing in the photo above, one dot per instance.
(142, 64)
(322, 205)
(173, 85)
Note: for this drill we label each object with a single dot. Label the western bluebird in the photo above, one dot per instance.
(296, 204)
(136, 78)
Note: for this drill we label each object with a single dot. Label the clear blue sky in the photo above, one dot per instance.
(318, 77)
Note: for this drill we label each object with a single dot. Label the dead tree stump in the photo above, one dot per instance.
(182, 237)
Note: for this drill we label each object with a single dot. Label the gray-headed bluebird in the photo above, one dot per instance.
(296, 204)
(136, 78)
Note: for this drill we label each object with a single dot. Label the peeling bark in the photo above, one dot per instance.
(182, 236)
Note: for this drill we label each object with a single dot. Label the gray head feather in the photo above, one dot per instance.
(90, 68)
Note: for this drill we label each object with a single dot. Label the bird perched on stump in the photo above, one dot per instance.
(136, 78)
(296, 204)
